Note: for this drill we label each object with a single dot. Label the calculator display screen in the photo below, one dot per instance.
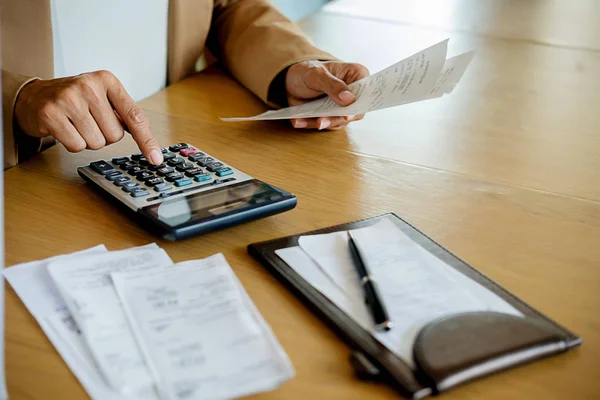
(213, 203)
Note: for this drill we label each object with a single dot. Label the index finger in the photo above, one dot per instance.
(135, 120)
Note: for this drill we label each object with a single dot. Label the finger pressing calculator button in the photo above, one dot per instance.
(172, 176)
(202, 177)
(135, 170)
(154, 181)
(101, 167)
(183, 182)
(122, 180)
(204, 161)
(187, 152)
(140, 192)
(185, 166)
(196, 156)
(128, 165)
(169, 156)
(213, 167)
(130, 186)
(193, 172)
(120, 160)
(163, 187)
(178, 146)
(144, 175)
(136, 156)
(223, 171)
(175, 161)
(165, 171)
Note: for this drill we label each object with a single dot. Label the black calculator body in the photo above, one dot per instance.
(189, 194)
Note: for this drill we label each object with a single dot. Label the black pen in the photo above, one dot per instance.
(372, 296)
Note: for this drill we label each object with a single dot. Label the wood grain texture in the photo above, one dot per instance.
(549, 22)
(503, 173)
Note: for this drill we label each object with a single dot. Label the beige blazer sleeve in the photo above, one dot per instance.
(256, 42)
(17, 145)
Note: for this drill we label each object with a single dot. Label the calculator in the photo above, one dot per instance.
(189, 194)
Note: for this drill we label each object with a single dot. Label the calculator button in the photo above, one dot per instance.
(136, 156)
(135, 170)
(140, 192)
(154, 181)
(162, 187)
(163, 150)
(122, 180)
(202, 177)
(213, 167)
(183, 182)
(101, 167)
(113, 177)
(224, 171)
(185, 166)
(204, 161)
(165, 171)
(174, 175)
(120, 160)
(187, 152)
(153, 167)
(169, 156)
(112, 173)
(196, 156)
(143, 162)
(145, 175)
(193, 172)
(128, 165)
(178, 146)
(130, 186)
(175, 161)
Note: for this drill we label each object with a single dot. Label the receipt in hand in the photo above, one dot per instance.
(422, 76)
(86, 287)
(200, 334)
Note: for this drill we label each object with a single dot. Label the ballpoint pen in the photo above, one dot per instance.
(370, 289)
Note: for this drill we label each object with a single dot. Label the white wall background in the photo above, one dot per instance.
(298, 9)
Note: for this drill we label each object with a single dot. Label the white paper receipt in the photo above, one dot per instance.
(422, 76)
(200, 334)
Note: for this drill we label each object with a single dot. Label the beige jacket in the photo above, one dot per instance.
(251, 38)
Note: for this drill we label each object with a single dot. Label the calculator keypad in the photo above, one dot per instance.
(184, 167)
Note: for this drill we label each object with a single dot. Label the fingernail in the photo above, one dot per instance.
(156, 157)
(300, 123)
(346, 96)
(324, 124)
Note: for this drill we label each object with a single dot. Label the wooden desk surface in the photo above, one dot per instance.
(536, 236)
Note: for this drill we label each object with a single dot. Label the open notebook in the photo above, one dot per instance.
(451, 323)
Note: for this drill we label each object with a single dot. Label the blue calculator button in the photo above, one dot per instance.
(223, 171)
(163, 187)
(121, 180)
(202, 177)
(130, 187)
(183, 182)
(140, 193)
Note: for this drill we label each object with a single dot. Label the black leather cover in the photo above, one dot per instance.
(378, 362)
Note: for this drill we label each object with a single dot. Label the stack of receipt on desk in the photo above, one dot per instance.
(132, 325)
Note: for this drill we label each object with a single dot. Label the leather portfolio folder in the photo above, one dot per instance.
(448, 351)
